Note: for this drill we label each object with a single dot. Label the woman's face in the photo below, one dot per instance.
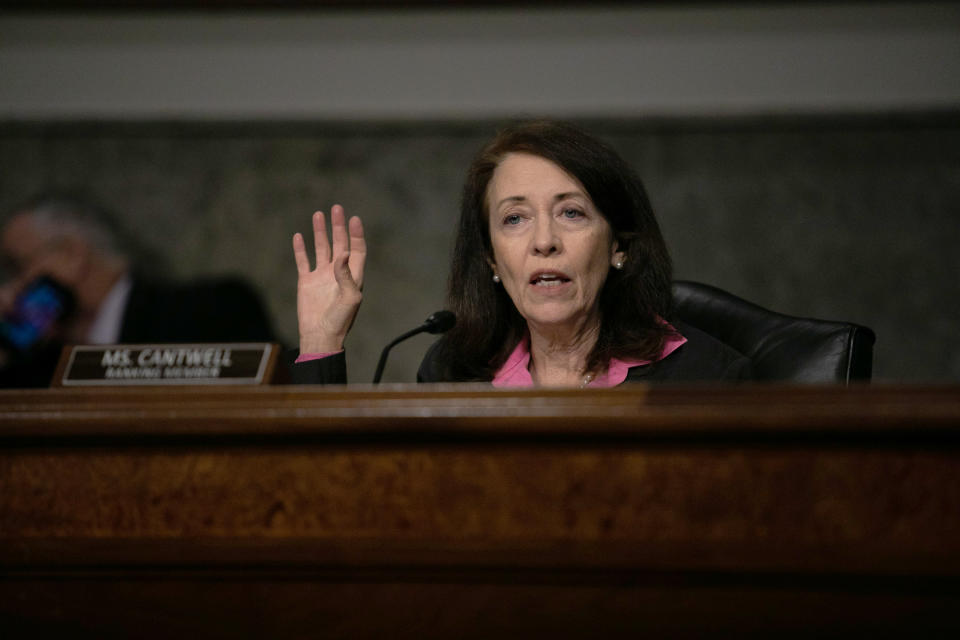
(551, 246)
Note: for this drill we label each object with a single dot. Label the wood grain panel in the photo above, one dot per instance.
(434, 511)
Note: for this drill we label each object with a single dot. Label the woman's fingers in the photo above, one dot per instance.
(338, 228)
(300, 254)
(358, 250)
(345, 242)
(341, 271)
(320, 243)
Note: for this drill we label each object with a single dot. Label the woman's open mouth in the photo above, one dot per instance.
(549, 279)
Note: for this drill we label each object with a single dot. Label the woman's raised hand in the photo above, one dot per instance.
(328, 297)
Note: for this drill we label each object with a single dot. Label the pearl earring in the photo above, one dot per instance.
(618, 264)
(496, 278)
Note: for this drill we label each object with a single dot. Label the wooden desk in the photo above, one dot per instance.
(459, 512)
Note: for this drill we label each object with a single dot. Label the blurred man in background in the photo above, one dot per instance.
(70, 276)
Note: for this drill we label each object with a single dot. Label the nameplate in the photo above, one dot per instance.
(166, 364)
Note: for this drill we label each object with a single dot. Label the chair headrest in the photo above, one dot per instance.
(781, 347)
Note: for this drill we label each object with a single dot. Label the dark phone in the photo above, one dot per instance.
(37, 310)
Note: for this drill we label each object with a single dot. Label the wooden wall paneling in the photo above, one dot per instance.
(435, 511)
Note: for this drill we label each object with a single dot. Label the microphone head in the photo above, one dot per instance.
(440, 321)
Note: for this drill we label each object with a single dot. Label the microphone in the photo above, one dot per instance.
(438, 322)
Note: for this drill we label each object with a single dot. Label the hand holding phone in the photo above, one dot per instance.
(36, 312)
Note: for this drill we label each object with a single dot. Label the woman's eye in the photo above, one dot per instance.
(572, 213)
(512, 219)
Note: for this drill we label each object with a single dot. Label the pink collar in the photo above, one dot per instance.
(515, 371)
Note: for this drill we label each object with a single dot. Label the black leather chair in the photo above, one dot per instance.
(781, 347)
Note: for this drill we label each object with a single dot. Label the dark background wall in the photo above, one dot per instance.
(853, 218)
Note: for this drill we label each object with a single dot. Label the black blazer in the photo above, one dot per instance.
(702, 358)
(213, 310)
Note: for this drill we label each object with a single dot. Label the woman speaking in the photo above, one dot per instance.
(560, 277)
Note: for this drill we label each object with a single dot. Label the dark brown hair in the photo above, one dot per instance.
(633, 301)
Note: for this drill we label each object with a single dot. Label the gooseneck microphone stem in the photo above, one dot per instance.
(386, 351)
(438, 322)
